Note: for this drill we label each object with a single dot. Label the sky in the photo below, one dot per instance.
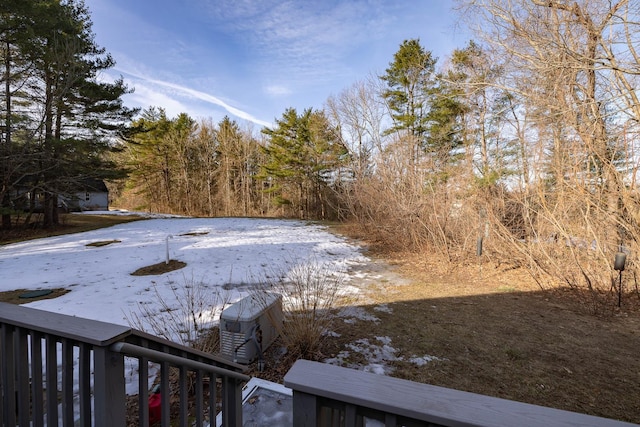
(252, 59)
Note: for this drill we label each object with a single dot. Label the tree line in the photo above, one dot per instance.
(181, 166)
(519, 147)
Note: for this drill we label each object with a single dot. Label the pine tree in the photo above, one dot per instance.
(79, 111)
(302, 151)
(151, 158)
(68, 120)
(410, 79)
(18, 36)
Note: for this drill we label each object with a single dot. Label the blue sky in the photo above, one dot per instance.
(253, 59)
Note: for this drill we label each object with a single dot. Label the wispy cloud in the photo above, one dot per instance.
(277, 90)
(259, 57)
(148, 97)
(179, 90)
(303, 43)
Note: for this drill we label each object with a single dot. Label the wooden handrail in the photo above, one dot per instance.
(320, 390)
(134, 350)
(83, 330)
(62, 370)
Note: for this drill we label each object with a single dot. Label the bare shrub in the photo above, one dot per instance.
(406, 206)
(566, 240)
(309, 293)
(187, 319)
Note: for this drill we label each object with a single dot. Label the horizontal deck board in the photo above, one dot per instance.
(426, 402)
(84, 330)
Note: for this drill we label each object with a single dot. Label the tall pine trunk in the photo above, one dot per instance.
(48, 154)
(7, 151)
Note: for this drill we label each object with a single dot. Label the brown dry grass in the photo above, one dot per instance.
(496, 333)
(499, 335)
(69, 223)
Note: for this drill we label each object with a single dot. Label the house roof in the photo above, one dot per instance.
(90, 184)
(86, 184)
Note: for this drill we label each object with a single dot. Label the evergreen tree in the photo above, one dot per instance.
(302, 151)
(68, 119)
(152, 157)
(78, 109)
(410, 79)
(18, 37)
(444, 125)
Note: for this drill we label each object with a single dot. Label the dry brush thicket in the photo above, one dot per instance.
(310, 292)
(546, 176)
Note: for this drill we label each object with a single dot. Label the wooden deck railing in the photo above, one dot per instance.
(63, 370)
(326, 395)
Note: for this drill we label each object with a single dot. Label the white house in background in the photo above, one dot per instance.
(84, 195)
(89, 195)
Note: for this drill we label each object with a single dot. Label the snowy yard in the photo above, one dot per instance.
(225, 259)
(224, 255)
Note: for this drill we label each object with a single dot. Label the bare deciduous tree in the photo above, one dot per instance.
(572, 65)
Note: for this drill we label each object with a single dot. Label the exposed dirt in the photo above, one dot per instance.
(21, 296)
(102, 243)
(69, 223)
(159, 268)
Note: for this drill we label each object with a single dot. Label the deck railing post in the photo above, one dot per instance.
(22, 375)
(109, 388)
(7, 376)
(305, 409)
(231, 402)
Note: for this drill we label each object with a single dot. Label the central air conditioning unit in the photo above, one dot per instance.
(249, 326)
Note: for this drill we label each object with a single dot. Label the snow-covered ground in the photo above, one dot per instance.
(226, 255)
(225, 258)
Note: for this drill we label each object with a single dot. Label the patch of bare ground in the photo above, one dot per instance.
(159, 268)
(23, 296)
(69, 223)
(491, 330)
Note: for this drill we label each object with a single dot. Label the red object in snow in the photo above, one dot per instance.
(154, 408)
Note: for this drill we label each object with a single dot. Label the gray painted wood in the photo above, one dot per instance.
(85, 330)
(199, 386)
(165, 394)
(7, 376)
(231, 402)
(424, 402)
(109, 388)
(67, 382)
(22, 375)
(3, 364)
(304, 409)
(166, 356)
(143, 391)
(51, 357)
(108, 343)
(37, 386)
(84, 379)
(184, 397)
